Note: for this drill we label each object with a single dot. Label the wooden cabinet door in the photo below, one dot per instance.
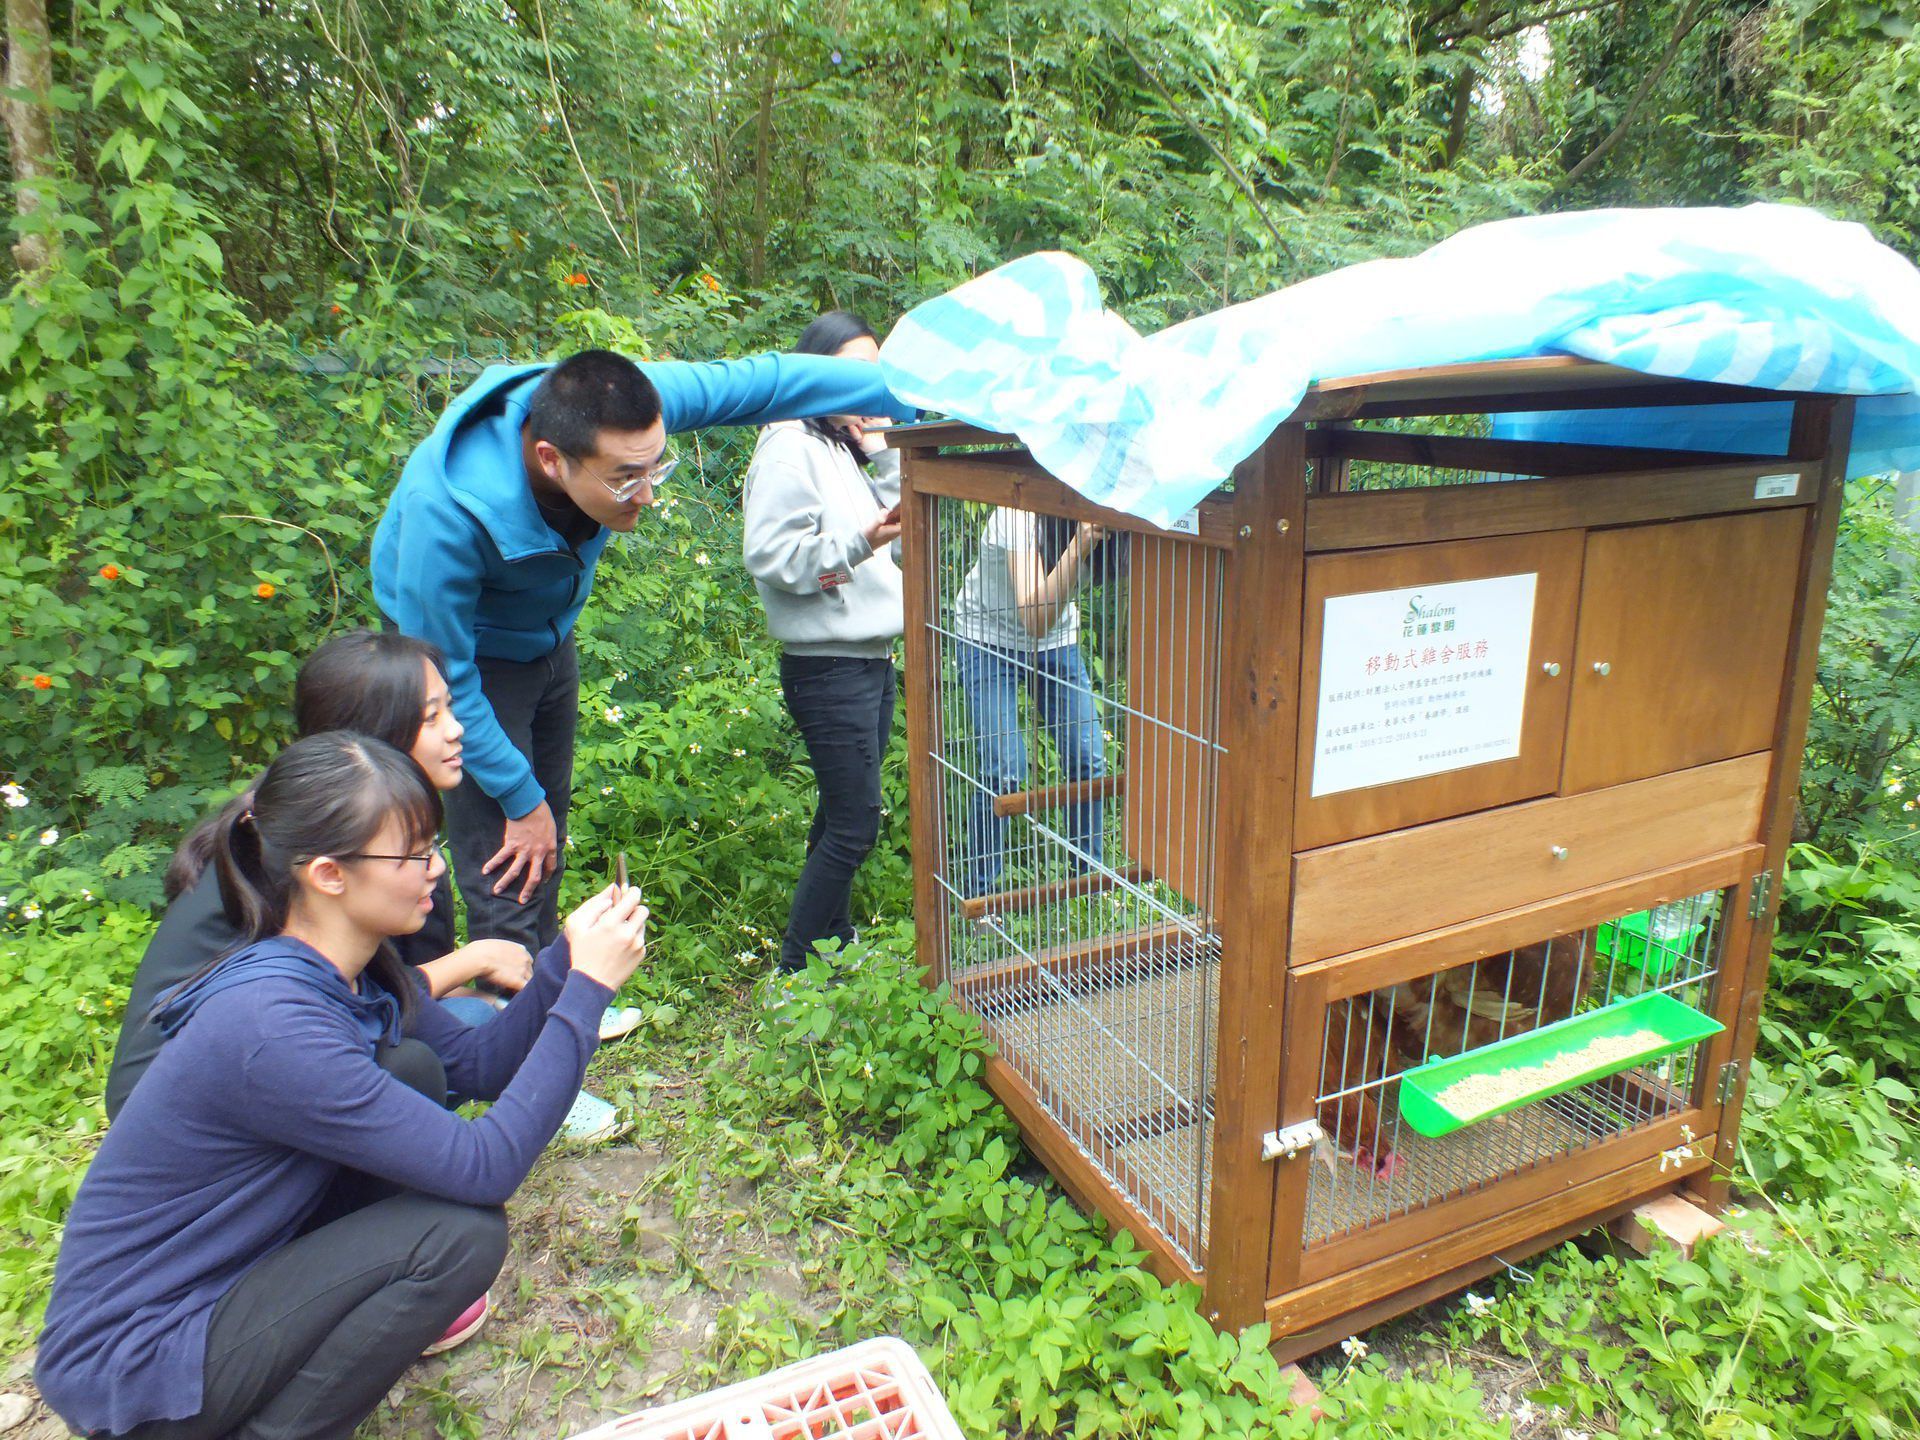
(1683, 644)
(1552, 559)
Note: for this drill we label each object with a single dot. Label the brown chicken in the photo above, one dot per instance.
(1357, 1055)
(1497, 996)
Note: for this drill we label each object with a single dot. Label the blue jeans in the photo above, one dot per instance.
(468, 1009)
(1063, 703)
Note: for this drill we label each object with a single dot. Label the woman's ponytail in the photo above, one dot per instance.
(254, 892)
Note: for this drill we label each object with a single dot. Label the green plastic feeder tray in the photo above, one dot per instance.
(1628, 940)
(1678, 1026)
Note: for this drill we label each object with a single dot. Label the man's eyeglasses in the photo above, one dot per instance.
(425, 861)
(625, 490)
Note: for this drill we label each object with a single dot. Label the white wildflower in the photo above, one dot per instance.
(1678, 1155)
(606, 789)
(619, 674)
(1525, 1413)
(1354, 1348)
(15, 797)
(30, 910)
(1478, 1304)
(49, 835)
(745, 957)
(738, 752)
(701, 559)
(614, 714)
(693, 747)
(867, 1069)
(86, 894)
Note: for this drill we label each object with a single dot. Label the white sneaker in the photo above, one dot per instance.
(590, 1121)
(619, 1022)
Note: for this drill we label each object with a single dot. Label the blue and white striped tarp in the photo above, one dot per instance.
(1766, 295)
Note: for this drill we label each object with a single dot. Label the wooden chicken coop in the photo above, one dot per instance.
(1415, 773)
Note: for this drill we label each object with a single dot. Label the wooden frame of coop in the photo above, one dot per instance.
(1211, 988)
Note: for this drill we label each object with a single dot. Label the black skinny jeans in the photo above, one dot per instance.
(310, 1339)
(537, 703)
(844, 708)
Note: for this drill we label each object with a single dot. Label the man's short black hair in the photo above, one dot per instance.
(586, 393)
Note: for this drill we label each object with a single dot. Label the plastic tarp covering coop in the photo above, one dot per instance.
(1765, 295)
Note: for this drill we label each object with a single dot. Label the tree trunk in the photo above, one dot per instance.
(29, 120)
(1469, 48)
(762, 170)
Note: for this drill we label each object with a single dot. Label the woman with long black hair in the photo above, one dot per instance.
(390, 687)
(822, 513)
(284, 1216)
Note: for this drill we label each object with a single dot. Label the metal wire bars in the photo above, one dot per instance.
(1373, 1168)
(1076, 684)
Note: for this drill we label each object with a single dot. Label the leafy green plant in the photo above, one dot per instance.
(1847, 957)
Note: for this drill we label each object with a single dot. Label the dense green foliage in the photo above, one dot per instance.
(285, 233)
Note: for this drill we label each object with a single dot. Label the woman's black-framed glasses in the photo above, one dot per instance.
(426, 860)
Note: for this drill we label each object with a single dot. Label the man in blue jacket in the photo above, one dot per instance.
(488, 549)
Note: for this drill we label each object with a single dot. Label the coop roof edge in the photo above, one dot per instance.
(1538, 382)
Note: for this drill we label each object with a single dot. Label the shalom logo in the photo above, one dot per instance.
(1422, 619)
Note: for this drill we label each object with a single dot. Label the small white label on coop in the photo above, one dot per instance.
(1773, 487)
(1421, 681)
(1187, 524)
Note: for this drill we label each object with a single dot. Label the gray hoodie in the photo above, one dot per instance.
(808, 504)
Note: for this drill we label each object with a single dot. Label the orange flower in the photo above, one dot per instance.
(109, 572)
(263, 590)
(578, 278)
(335, 309)
(43, 682)
(710, 282)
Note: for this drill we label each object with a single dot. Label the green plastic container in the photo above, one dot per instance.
(1677, 1024)
(1626, 939)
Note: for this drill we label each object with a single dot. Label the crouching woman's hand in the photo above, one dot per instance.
(607, 935)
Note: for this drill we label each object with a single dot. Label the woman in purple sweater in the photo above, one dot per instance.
(278, 1224)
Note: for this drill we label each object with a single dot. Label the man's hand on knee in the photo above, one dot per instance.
(529, 850)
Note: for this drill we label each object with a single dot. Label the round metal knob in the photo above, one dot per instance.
(1552, 667)
(1559, 852)
(1601, 667)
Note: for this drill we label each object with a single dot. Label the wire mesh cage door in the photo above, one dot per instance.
(1071, 756)
(1374, 1187)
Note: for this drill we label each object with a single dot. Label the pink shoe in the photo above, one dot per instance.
(463, 1329)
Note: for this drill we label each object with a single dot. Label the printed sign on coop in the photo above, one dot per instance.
(1421, 681)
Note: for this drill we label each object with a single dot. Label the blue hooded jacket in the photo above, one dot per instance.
(230, 1141)
(463, 557)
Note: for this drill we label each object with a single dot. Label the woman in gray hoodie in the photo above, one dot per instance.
(822, 512)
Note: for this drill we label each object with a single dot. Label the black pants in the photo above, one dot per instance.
(844, 708)
(537, 703)
(310, 1340)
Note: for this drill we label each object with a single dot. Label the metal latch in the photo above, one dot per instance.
(1293, 1140)
(1762, 892)
(1729, 1082)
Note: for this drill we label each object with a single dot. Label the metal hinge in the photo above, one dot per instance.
(1293, 1140)
(1762, 892)
(1729, 1082)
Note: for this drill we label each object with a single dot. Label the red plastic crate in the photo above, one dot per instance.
(876, 1390)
